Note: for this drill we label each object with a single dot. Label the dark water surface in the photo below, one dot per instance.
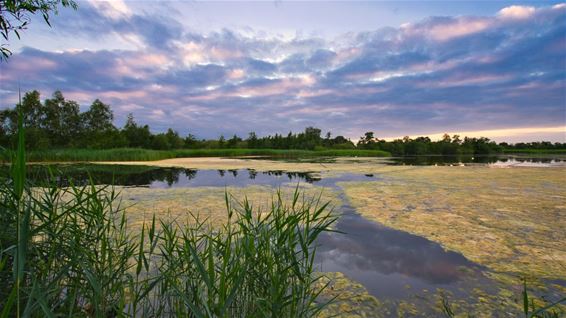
(477, 160)
(498, 160)
(391, 264)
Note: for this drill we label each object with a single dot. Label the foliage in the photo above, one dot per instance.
(554, 150)
(58, 123)
(137, 154)
(68, 252)
(447, 146)
(15, 16)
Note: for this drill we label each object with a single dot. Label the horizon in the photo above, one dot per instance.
(495, 70)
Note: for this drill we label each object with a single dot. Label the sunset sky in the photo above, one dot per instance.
(483, 68)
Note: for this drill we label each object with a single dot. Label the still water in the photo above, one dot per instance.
(391, 264)
(495, 160)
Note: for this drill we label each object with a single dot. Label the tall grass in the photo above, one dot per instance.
(119, 154)
(534, 151)
(69, 252)
(136, 154)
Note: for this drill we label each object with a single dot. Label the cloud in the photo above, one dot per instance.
(115, 9)
(464, 74)
(516, 12)
(98, 19)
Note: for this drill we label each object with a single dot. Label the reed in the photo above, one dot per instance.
(69, 252)
(138, 154)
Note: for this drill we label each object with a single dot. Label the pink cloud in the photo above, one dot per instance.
(460, 27)
(236, 74)
(516, 12)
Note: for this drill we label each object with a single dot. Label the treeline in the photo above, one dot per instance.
(536, 145)
(58, 123)
(447, 146)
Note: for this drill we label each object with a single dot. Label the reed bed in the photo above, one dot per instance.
(138, 154)
(69, 252)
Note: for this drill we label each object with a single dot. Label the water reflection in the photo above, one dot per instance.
(474, 160)
(384, 260)
(80, 174)
(388, 261)
(438, 160)
(235, 178)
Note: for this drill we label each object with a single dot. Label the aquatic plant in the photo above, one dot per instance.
(532, 308)
(68, 251)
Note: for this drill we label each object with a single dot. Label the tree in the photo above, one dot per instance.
(62, 120)
(15, 16)
(233, 142)
(32, 109)
(456, 139)
(160, 142)
(173, 139)
(367, 140)
(340, 142)
(33, 112)
(98, 118)
(135, 135)
(191, 141)
(312, 133)
(311, 138)
(252, 140)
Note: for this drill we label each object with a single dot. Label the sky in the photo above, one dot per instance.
(419, 68)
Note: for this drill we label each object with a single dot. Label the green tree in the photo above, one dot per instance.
(252, 140)
(367, 141)
(233, 142)
(160, 142)
(173, 139)
(32, 109)
(15, 16)
(62, 120)
(136, 136)
(311, 138)
(191, 141)
(98, 130)
(456, 139)
(340, 142)
(98, 118)
(33, 113)
(7, 121)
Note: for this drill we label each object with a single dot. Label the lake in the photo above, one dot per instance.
(393, 265)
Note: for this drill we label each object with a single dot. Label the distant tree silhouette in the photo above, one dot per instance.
(58, 123)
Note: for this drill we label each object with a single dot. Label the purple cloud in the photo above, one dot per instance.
(459, 73)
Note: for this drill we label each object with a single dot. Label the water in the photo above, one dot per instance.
(391, 264)
(495, 160)
(477, 160)
(154, 177)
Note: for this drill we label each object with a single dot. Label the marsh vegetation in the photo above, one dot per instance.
(69, 251)
(359, 277)
(57, 130)
(165, 231)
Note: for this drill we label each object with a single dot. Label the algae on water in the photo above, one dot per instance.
(501, 218)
